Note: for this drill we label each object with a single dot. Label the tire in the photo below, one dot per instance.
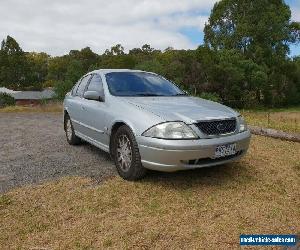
(72, 139)
(129, 168)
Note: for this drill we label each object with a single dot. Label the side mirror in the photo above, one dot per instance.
(94, 95)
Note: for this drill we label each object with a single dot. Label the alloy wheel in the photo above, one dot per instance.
(69, 131)
(124, 152)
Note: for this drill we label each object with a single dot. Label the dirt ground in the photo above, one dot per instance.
(33, 149)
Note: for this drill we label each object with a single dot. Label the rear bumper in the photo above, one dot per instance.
(173, 155)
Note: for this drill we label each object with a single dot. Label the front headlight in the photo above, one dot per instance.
(242, 124)
(171, 130)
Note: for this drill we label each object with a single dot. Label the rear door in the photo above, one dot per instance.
(95, 114)
(76, 109)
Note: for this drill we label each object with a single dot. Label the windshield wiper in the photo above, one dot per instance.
(147, 94)
(153, 94)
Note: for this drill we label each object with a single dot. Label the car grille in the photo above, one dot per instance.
(217, 127)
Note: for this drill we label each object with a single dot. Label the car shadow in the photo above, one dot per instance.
(230, 173)
(233, 172)
(95, 150)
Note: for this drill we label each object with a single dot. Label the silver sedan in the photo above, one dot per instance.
(146, 122)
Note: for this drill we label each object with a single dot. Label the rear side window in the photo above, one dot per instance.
(82, 85)
(95, 83)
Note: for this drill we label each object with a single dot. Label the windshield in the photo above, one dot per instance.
(140, 84)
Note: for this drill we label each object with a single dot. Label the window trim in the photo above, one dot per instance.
(88, 82)
(92, 75)
(75, 87)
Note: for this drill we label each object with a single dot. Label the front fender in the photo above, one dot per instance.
(138, 119)
(127, 122)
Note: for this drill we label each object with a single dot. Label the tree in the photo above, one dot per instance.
(261, 31)
(115, 50)
(146, 48)
(152, 66)
(37, 69)
(57, 68)
(239, 81)
(85, 56)
(73, 73)
(258, 28)
(11, 47)
(13, 64)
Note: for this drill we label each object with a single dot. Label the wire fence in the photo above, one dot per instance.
(288, 121)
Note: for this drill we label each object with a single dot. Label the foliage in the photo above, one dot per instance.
(6, 100)
(37, 68)
(244, 61)
(260, 33)
(259, 29)
(12, 63)
(210, 96)
(74, 71)
(62, 88)
(152, 66)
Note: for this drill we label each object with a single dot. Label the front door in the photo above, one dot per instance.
(95, 113)
(76, 109)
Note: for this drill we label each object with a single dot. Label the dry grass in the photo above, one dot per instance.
(201, 209)
(43, 108)
(282, 120)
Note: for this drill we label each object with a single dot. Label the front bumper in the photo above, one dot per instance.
(173, 155)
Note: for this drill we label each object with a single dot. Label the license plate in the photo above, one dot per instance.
(225, 150)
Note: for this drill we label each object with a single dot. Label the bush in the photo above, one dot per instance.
(62, 88)
(48, 84)
(210, 96)
(6, 100)
(152, 66)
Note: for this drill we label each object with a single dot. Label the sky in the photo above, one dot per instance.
(58, 26)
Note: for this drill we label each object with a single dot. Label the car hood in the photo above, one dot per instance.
(186, 109)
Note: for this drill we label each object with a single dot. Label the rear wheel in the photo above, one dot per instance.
(126, 155)
(70, 134)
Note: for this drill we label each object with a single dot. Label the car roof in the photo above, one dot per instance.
(105, 71)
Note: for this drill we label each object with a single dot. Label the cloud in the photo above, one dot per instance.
(57, 26)
(295, 13)
(183, 21)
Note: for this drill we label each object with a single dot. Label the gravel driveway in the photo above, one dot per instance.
(33, 149)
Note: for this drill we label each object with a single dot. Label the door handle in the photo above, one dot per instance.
(83, 108)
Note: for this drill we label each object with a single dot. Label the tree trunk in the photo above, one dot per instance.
(275, 133)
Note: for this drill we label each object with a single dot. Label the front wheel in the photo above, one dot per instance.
(126, 155)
